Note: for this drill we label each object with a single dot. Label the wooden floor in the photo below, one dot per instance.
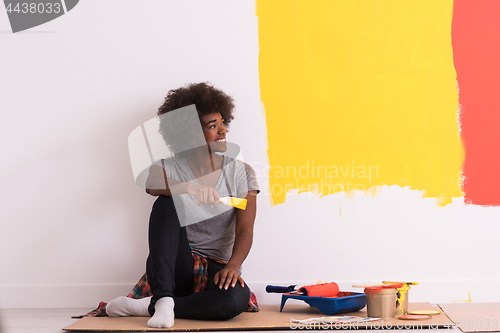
(37, 320)
(53, 320)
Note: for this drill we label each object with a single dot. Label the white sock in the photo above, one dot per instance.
(164, 313)
(125, 306)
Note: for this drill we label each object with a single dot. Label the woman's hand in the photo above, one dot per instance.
(204, 194)
(228, 276)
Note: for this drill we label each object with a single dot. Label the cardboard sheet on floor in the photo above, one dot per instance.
(474, 317)
(268, 318)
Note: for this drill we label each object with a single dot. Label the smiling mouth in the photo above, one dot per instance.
(221, 140)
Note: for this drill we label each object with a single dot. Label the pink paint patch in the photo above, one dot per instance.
(476, 47)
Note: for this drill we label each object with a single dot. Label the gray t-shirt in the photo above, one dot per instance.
(211, 230)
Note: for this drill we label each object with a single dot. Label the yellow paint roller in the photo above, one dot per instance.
(234, 202)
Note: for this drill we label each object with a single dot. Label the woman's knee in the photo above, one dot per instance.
(163, 211)
(163, 202)
(166, 206)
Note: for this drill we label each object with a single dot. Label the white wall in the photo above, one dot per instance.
(73, 223)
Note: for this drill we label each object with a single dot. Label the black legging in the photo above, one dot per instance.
(169, 269)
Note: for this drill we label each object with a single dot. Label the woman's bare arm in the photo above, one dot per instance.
(242, 243)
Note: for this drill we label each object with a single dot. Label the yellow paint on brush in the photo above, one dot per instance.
(234, 202)
(359, 94)
(238, 203)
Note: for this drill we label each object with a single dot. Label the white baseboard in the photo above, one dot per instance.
(60, 296)
(82, 296)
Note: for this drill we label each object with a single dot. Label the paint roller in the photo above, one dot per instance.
(329, 289)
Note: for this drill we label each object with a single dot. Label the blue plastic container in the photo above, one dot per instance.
(346, 301)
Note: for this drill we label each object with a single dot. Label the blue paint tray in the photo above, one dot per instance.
(346, 301)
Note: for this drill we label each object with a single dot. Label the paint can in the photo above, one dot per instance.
(381, 300)
(402, 296)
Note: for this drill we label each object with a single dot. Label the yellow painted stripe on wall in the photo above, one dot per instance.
(360, 94)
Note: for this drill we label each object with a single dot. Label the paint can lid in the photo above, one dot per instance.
(414, 317)
(425, 312)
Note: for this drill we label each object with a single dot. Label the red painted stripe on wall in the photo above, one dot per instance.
(476, 54)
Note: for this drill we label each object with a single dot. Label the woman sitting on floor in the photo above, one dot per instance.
(189, 222)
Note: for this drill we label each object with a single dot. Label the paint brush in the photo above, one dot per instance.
(330, 289)
(407, 283)
(234, 202)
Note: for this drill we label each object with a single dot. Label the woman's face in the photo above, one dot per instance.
(214, 130)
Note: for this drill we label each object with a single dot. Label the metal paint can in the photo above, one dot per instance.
(381, 300)
(403, 294)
